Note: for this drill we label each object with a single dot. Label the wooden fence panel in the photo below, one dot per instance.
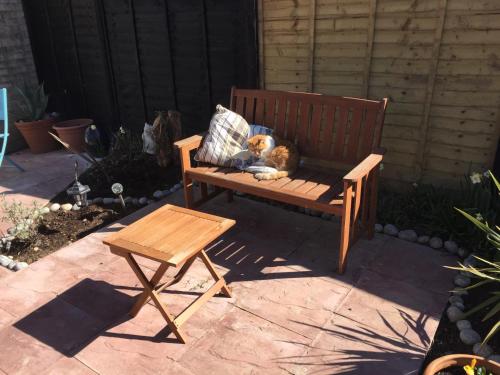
(119, 61)
(436, 60)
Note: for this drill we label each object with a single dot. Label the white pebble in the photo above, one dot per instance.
(463, 324)
(454, 299)
(66, 206)
(379, 228)
(451, 246)
(20, 266)
(143, 200)
(461, 281)
(408, 235)
(436, 243)
(177, 186)
(469, 336)
(158, 194)
(108, 201)
(459, 305)
(44, 210)
(55, 207)
(4, 261)
(483, 350)
(76, 207)
(135, 201)
(11, 265)
(454, 314)
(391, 230)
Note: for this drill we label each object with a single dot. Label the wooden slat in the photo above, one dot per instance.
(291, 122)
(259, 111)
(302, 131)
(280, 126)
(368, 133)
(269, 119)
(354, 130)
(240, 105)
(340, 128)
(327, 138)
(249, 108)
(314, 130)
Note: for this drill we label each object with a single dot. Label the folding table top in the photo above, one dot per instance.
(170, 234)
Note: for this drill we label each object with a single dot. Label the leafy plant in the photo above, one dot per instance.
(24, 219)
(489, 270)
(429, 209)
(34, 102)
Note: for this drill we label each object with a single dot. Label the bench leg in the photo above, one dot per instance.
(345, 235)
(372, 212)
(230, 197)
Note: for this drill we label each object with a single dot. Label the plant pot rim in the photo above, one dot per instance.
(73, 123)
(450, 360)
(34, 123)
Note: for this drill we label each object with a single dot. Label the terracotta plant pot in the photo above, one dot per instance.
(460, 360)
(36, 134)
(73, 132)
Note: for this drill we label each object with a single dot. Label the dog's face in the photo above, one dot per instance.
(258, 144)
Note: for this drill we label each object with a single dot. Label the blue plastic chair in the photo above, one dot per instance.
(4, 115)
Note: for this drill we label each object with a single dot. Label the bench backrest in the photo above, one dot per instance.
(332, 128)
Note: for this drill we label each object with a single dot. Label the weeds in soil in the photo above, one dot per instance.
(430, 209)
(24, 218)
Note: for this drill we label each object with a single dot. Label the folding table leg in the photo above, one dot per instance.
(144, 297)
(208, 263)
(149, 290)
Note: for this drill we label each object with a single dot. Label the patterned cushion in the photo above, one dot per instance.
(227, 133)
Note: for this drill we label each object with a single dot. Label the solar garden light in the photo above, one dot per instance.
(78, 191)
(117, 189)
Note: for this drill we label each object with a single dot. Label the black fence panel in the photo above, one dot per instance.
(120, 61)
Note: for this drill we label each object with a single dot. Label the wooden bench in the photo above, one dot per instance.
(338, 139)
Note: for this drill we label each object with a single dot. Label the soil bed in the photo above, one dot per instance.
(447, 337)
(140, 176)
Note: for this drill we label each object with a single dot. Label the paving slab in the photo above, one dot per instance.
(290, 313)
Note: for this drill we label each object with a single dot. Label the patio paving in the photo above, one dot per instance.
(290, 312)
(45, 175)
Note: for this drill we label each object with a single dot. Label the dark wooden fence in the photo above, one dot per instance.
(119, 61)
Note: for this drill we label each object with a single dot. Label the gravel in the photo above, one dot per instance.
(454, 314)
(436, 243)
(469, 337)
(391, 230)
(408, 235)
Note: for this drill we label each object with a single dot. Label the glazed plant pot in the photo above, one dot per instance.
(460, 360)
(36, 134)
(73, 132)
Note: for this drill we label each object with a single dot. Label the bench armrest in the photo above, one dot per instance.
(363, 168)
(190, 143)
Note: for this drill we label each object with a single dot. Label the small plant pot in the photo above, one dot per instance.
(73, 132)
(460, 360)
(36, 134)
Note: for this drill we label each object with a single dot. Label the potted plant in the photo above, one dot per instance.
(34, 124)
(471, 365)
(487, 272)
(73, 132)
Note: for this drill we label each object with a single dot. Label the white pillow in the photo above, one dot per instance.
(227, 133)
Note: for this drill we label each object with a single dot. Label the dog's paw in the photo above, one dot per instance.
(259, 176)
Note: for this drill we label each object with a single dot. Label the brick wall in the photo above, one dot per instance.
(16, 61)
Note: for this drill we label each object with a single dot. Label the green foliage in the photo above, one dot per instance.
(34, 102)
(24, 218)
(488, 270)
(429, 209)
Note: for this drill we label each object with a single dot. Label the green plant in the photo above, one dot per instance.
(34, 102)
(429, 209)
(24, 219)
(489, 270)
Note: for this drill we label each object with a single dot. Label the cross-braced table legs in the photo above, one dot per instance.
(152, 290)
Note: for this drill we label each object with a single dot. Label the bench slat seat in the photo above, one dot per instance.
(306, 188)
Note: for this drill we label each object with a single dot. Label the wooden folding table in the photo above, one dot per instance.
(174, 237)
